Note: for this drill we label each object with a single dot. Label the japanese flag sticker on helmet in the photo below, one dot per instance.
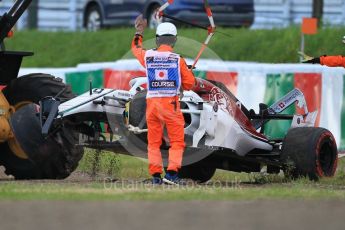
(166, 28)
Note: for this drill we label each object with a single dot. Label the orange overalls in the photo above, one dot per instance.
(164, 110)
(333, 61)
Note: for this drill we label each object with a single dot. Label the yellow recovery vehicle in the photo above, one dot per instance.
(51, 157)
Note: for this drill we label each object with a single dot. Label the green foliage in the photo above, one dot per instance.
(66, 49)
(101, 163)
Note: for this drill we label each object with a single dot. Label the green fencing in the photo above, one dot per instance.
(277, 85)
(80, 81)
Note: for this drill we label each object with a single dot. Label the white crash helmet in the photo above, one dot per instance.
(344, 39)
(166, 28)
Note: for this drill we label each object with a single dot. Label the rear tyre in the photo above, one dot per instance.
(137, 143)
(309, 151)
(63, 155)
(137, 110)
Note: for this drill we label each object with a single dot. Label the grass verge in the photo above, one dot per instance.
(123, 190)
(123, 178)
(66, 49)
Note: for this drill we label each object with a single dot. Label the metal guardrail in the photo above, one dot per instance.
(68, 14)
(53, 14)
(282, 13)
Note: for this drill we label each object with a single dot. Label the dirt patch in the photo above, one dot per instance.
(75, 177)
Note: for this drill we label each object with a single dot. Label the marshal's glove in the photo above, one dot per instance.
(140, 24)
(308, 59)
(191, 67)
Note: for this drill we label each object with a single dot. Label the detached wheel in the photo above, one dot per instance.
(93, 18)
(61, 155)
(311, 152)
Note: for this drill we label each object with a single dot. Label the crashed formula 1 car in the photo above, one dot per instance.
(44, 127)
(219, 131)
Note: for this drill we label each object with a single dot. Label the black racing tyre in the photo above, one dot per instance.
(34, 87)
(309, 151)
(137, 110)
(64, 154)
(137, 117)
(137, 113)
(201, 171)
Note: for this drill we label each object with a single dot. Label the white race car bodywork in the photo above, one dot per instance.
(218, 128)
(210, 126)
(85, 103)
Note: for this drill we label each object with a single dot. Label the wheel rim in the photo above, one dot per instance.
(327, 158)
(94, 21)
